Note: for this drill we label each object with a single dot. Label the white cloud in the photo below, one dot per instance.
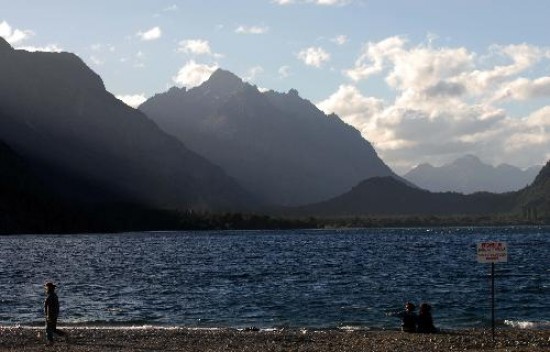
(331, 2)
(340, 40)
(17, 36)
(193, 74)
(522, 57)
(12, 35)
(52, 48)
(349, 102)
(314, 56)
(133, 100)
(195, 46)
(526, 138)
(446, 103)
(151, 34)
(171, 8)
(252, 30)
(524, 89)
(374, 56)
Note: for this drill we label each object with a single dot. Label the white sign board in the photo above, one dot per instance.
(492, 252)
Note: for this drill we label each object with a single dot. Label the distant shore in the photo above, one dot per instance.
(105, 339)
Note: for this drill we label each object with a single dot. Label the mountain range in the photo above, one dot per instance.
(88, 146)
(469, 175)
(383, 196)
(277, 145)
(71, 153)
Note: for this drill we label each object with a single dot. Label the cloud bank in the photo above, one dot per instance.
(447, 102)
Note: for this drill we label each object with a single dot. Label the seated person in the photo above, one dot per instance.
(425, 323)
(408, 317)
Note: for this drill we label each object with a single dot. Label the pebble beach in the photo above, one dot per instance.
(102, 339)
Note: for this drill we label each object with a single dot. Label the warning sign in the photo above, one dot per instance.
(492, 252)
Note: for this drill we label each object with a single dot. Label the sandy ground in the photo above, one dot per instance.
(17, 339)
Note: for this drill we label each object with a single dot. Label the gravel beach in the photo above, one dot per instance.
(90, 339)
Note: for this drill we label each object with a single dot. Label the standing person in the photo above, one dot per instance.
(425, 319)
(408, 317)
(51, 311)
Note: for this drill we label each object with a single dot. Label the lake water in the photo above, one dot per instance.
(273, 279)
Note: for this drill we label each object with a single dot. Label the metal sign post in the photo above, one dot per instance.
(492, 252)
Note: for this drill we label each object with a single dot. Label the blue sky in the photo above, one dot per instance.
(423, 80)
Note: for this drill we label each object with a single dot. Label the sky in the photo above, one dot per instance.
(424, 81)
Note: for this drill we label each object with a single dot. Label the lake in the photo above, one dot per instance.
(272, 279)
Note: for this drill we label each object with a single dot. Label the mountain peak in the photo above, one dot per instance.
(293, 93)
(270, 142)
(468, 160)
(224, 81)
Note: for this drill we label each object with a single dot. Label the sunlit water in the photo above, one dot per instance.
(271, 279)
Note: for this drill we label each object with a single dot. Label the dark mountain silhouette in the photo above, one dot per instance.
(90, 147)
(535, 199)
(277, 145)
(381, 196)
(28, 205)
(469, 175)
(21, 194)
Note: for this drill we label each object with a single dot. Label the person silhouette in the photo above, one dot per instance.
(425, 323)
(408, 317)
(51, 312)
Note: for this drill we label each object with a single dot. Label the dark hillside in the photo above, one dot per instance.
(25, 204)
(534, 200)
(382, 196)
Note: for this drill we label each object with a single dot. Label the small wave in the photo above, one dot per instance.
(353, 328)
(527, 324)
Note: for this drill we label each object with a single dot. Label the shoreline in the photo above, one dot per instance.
(82, 339)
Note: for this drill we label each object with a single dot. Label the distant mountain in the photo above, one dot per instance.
(277, 145)
(87, 146)
(468, 175)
